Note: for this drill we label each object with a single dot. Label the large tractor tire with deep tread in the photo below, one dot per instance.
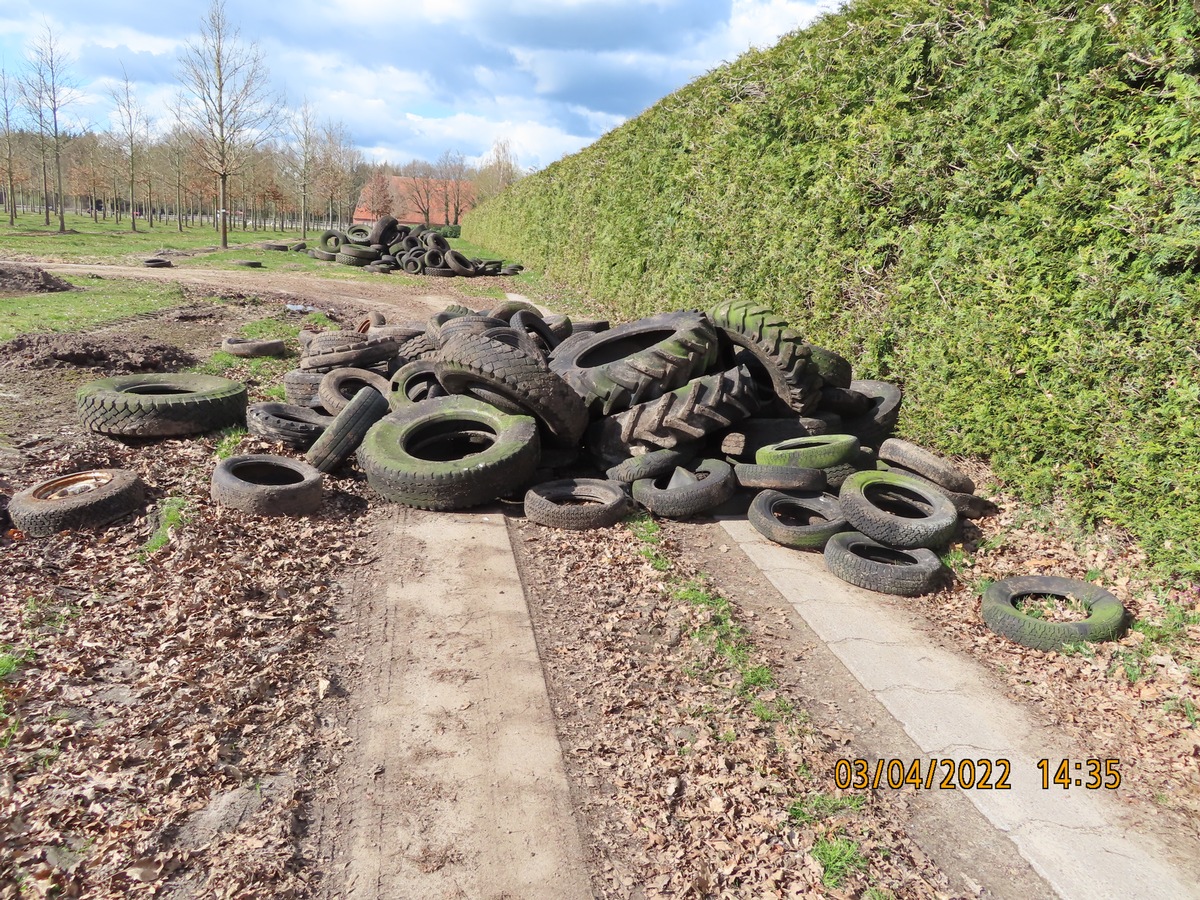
(449, 453)
(468, 361)
(778, 356)
(161, 405)
(701, 407)
(638, 361)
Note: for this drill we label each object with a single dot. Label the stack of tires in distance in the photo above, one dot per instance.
(388, 246)
(680, 411)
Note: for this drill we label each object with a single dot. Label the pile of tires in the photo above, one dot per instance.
(388, 246)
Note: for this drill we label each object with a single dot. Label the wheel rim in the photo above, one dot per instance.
(72, 485)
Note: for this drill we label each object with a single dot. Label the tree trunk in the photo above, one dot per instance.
(224, 214)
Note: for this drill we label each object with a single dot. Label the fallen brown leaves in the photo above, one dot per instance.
(159, 731)
(684, 784)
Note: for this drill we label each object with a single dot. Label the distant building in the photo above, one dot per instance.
(406, 209)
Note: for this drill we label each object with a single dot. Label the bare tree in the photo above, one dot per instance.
(49, 87)
(132, 130)
(8, 138)
(499, 170)
(302, 157)
(455, 188)
(339, 163)
(420, 186)
(227, 100)
(377, 194)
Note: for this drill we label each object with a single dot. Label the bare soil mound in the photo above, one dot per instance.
(118, 355)
(21, 279)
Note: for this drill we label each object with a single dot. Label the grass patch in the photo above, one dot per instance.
(818, 806)
(839, 857)
(229, 441)
(171, 514)
(97, 302)
(646, 530)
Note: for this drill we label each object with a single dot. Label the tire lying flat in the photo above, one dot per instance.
(161, 405)
(85, 499)
(265, 485)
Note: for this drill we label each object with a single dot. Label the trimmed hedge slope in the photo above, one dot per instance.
(997, 205)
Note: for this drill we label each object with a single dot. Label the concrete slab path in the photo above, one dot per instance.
(1078, 840)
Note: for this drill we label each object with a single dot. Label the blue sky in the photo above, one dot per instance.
(410, 80)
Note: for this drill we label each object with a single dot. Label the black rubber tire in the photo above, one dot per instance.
(440, 332)
(1107, 619)
(86, 499)
(652, 464)
(296, 426)
(858, 560)
(385, 226)
(460, 264)
(274, 245)
(820, 517)
(156, 263)
(834, 370)
(366, 353)
(343, 435)
(438, 271)
(690, 499)
(844, 401)
(368, 254)
(262, 484)
(565, 345)
(743, 441)
(778, 478)
(347, 259)
(779, 357)
(246, 348)
(323, 255)
(560, 326)
(702, 407)
(298, 247)
(413, 266)
(418, 347)
(416, 455)
(360, 234)
(160, 405)
(929, 465)
(509, 308)
(332, 240)
(468, 361)
(818, 452)
(969, 506)
(247, 263)
(413, 382)
(923, 517)
(876, 426)
(639, 361)
(533, 324)
(557, 504)
(338, 386)
(435, 241)
(399, 332)
(326, 341)
(300, 387)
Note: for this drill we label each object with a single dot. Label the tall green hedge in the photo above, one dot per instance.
(996, 205)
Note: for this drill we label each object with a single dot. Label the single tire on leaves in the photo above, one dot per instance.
(85, 499)
(262, 484)
(576, 503)
(1107, 619)
(160, 405)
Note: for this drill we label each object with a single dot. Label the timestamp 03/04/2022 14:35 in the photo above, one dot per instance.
(972, 774)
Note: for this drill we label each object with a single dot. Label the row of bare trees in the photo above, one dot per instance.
(231, 151)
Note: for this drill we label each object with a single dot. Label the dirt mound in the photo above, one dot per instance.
(15, 278)
(113, 354)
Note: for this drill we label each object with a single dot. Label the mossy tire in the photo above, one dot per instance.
(896, 510)
(348, 429)
(1107, 619)
(160, 405)
(449, 453)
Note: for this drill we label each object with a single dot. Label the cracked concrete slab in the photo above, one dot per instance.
(1081, 842)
